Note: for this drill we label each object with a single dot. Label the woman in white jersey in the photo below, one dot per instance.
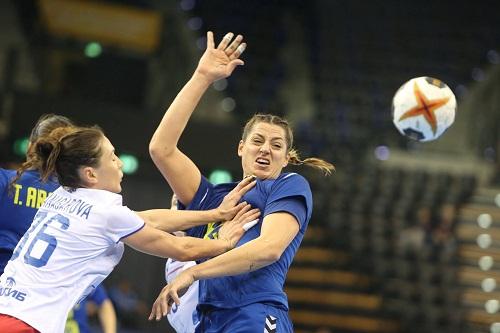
(77, 236)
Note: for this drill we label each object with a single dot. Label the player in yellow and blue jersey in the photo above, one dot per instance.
(20, 201)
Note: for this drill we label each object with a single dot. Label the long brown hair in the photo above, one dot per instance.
(293, 155)
(63, 152)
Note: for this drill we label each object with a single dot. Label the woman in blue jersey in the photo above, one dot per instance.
(241, 290)
(20, 202)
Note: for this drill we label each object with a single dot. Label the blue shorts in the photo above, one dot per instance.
(252, 318)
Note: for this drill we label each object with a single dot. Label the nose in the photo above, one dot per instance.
(264, 148)
(120, 164)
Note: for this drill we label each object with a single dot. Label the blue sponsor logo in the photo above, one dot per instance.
(10, 282)
(9, 291)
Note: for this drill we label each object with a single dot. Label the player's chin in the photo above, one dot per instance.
(118, 188)
(264, 174)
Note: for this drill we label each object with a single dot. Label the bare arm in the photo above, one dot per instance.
(278, 230)
(180, 172)
(175, 220)
(162, 244)
(158, 243)
(107, 317)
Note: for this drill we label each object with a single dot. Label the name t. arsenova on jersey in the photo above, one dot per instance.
(69, 205)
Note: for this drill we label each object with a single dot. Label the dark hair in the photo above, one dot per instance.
(43, 127)
(293, 154)
(63, 152)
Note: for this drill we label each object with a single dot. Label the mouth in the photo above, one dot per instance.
(262, 161)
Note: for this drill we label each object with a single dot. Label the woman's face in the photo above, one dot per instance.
(109, 170)
(264, 152)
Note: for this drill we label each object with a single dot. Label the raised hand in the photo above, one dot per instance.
(218, 63)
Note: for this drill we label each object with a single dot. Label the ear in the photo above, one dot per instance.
(240, 148)
(88, 176)
(285, 163)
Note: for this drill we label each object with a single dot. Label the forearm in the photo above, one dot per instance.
(174, 121)
(197, 248)
(246, 258)
(165, 245)
(175, 220)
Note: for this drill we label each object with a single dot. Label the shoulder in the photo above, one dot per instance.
(6, 176)
(290, 185)
(117, 212)
(291, 181)
(208, 194)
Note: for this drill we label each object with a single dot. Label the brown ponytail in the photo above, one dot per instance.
(314, 162)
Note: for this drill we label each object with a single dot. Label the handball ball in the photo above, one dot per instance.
(423, 108)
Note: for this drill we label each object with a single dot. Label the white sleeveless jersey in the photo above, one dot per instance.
(72, 245)
(183, 318)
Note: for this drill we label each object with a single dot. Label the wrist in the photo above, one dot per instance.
(228, 245)
(202, 79)
(193, 271)
(215, 215)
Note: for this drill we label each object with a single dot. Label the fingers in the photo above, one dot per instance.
(156, 310)
(249, 216)
(225, 41)
(163, 304)
(250, 224)
(246, 184)
(175, 299)
(234, 45)
(243, 208)
(239, 50)
(210, 40)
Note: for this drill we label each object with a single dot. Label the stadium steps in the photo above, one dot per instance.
(342, 323)
(470, 275)
(358, 301)
(327, 278)
(324, 292)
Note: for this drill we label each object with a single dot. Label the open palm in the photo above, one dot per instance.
(218, 63)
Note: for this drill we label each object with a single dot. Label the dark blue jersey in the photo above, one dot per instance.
(18, 207)
(289, 193)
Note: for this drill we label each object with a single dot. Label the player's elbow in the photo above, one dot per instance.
(155, 150)
(158, 149)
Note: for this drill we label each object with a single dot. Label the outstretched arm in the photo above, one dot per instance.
(176, 220)
(180, 172)
(162, 244)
